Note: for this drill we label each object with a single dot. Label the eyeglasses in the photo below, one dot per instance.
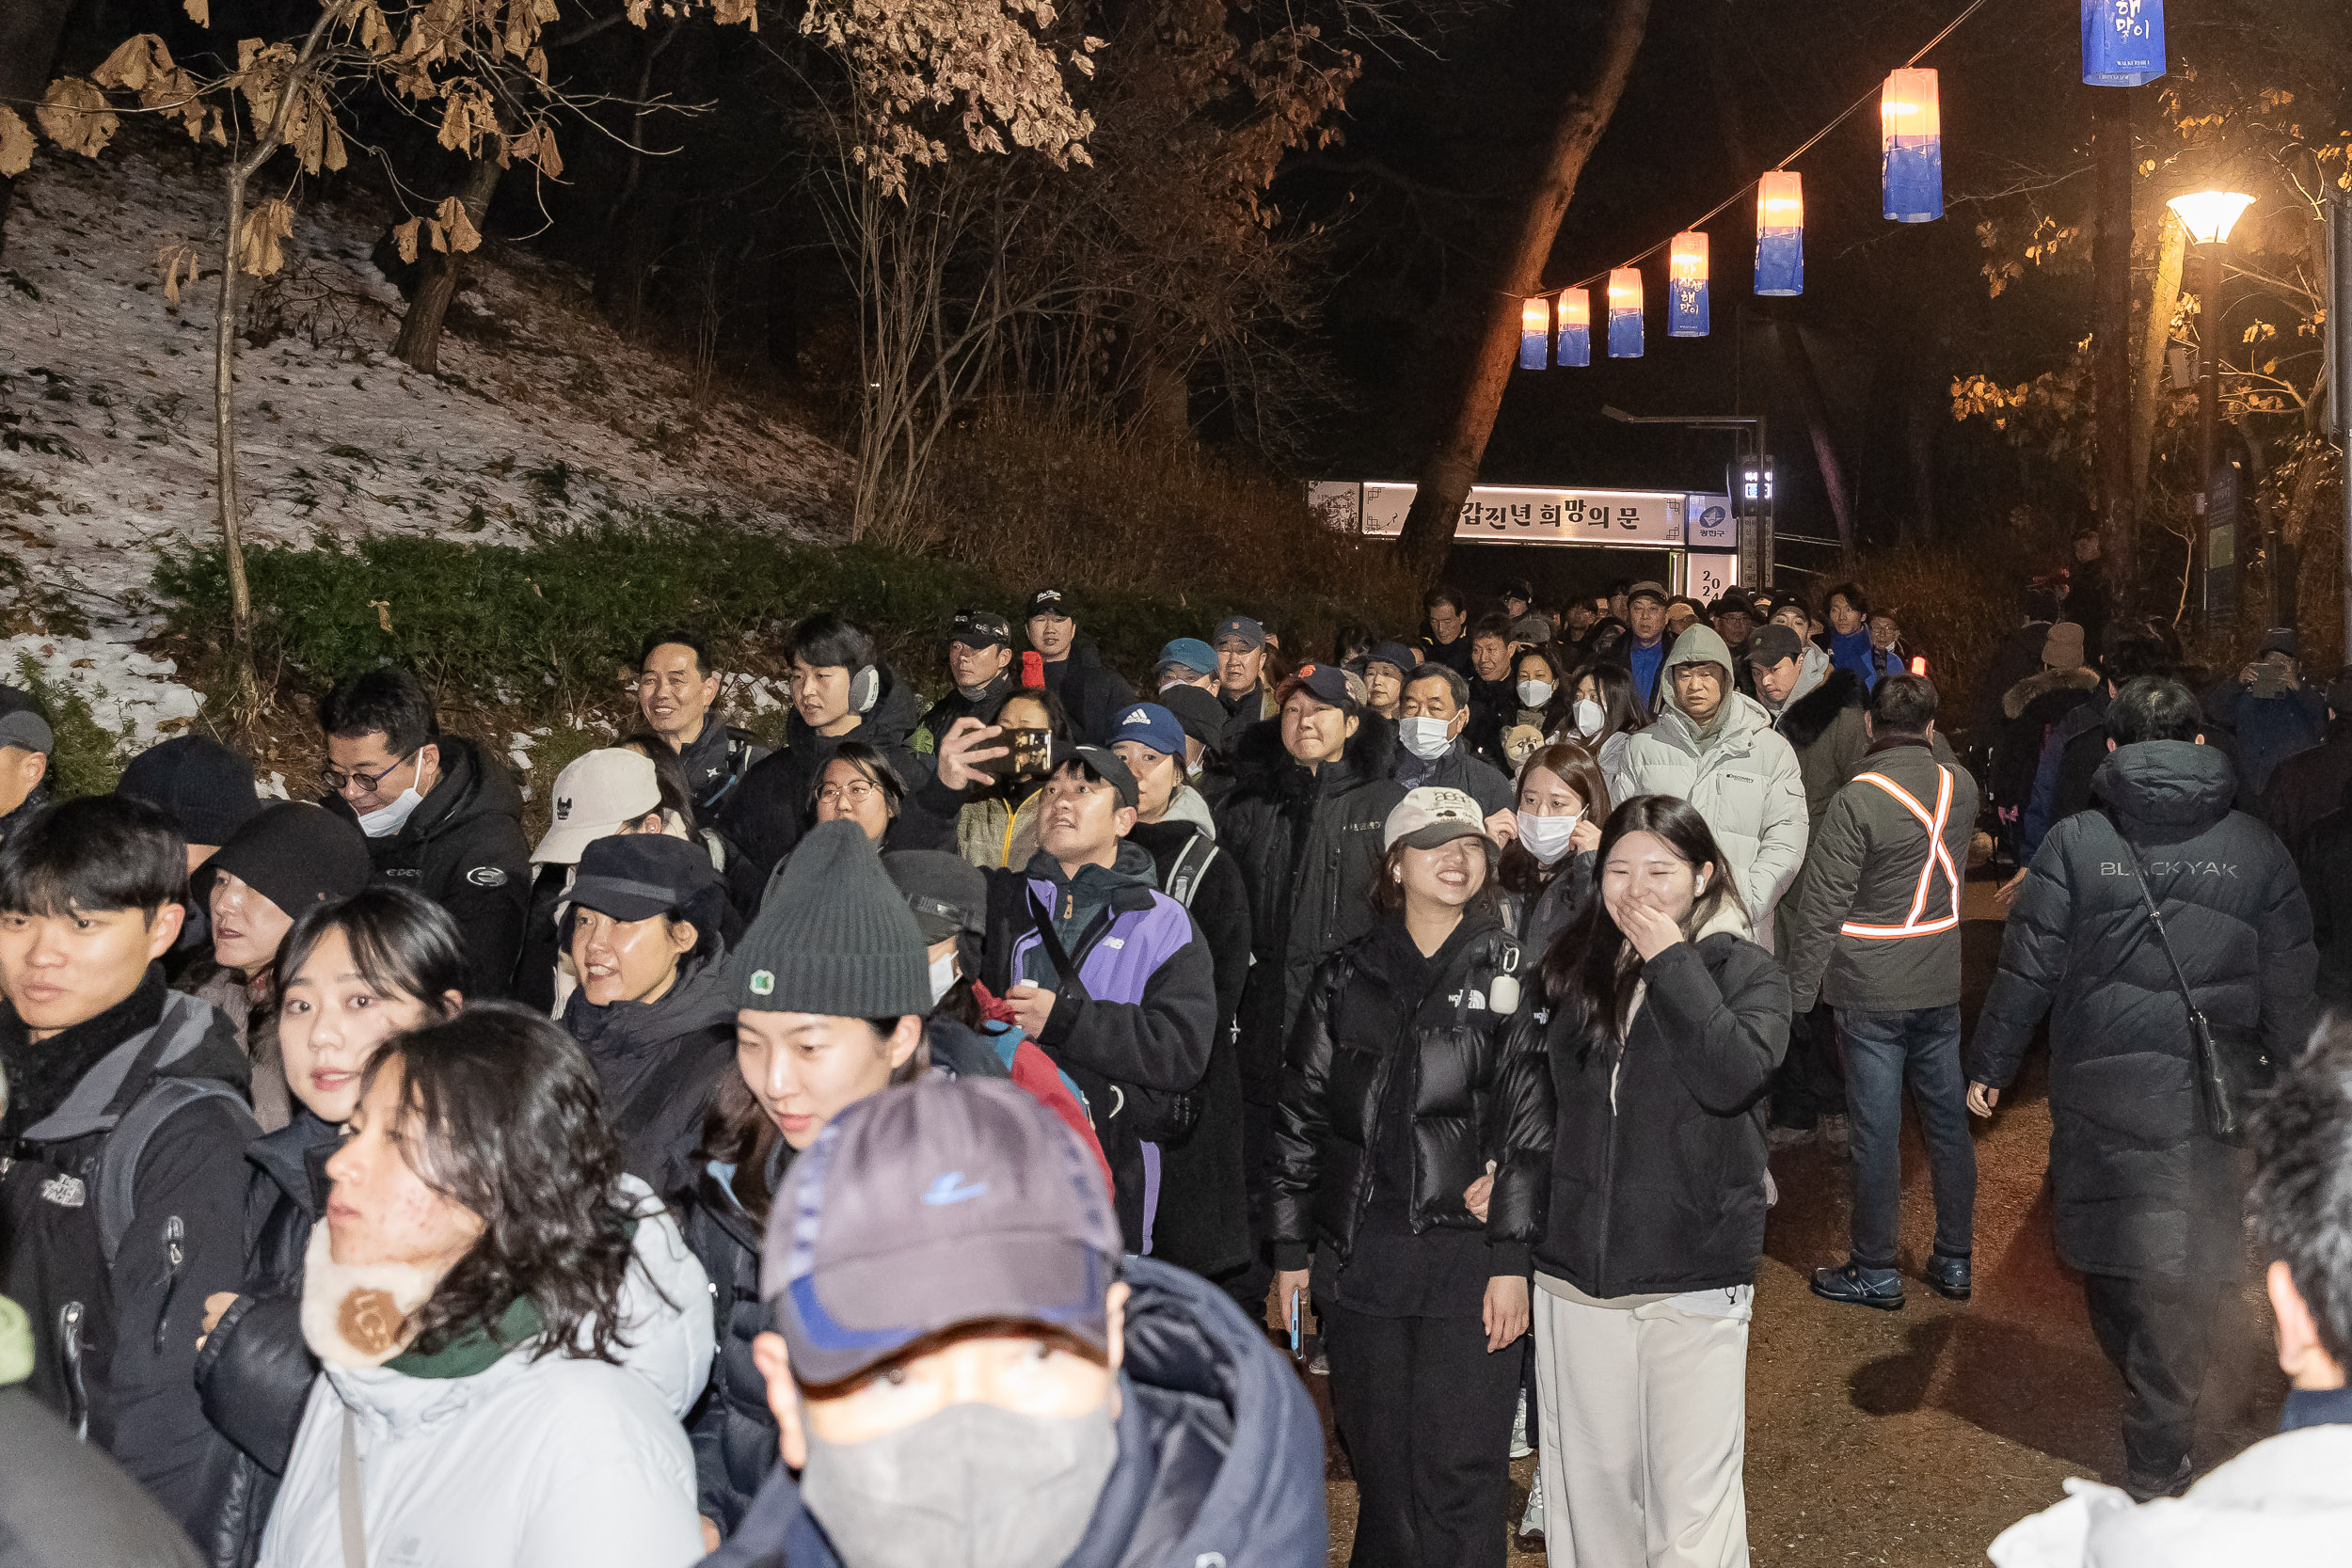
(852, 795)
(338, 781)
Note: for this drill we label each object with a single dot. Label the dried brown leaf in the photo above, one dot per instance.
(404, 239)
(270, 222)
(16, 144)
(453, 220)
(200, 12)
(74, 114)
(133, 63)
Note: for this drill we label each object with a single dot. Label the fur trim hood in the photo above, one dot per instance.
(1809, 717)
(2019, 697)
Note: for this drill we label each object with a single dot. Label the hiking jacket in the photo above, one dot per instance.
(2031, 711)
(1823, 724)
(1477, 1091)
(1658, 1150)
(2268, 729)
(732, 1429)
(1220, 1453)
(114, 1330)
(715, 763)
(770, 807)
(1309, 847)
(1092, 693)
(1537, 918)
(1877, 926)
(1136, 1033)
(2142, 1191)
(943, 714)
(656, 1062)
(64, 1504)
(463, 849)
(1203, 1219)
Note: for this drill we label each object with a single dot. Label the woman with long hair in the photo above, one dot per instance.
(1549, 859)
(1662, 1024)
(1402, 1088)
(1604, 714)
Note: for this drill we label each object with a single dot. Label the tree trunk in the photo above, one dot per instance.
(245, 687)
(1452, 467)
(1808, 389)
(2155, 345)
(439, 273)
(1925, 410)
(2111, 347)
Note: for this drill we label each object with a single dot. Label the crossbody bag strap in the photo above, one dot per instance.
(348, 1506)
(2156, 918)
(1073, 984)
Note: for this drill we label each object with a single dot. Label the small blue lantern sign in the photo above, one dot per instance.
(1911, 125)
(1536, 333)
(1624, 313)
(1780, 233)
(1686, 285)
(1574, 347)
(2123, 42)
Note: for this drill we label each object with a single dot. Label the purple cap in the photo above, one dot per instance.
(946, 1201)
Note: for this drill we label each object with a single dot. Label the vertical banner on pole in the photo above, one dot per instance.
(1575, 348)
(1780, 233)
(2123, 42)
(1686, 286)
(1536, 333)
(1912, 134)
(1624, 313)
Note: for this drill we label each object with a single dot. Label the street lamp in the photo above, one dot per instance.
(2207, 218)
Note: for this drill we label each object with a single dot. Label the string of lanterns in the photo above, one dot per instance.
(2122, 47)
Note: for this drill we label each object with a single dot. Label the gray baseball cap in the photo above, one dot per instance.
(944, 1202)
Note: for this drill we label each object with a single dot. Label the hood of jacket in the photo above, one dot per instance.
(1813, 669)
(1263, 768)
(1188, 805)
(2164, 791)
(2086, 716)
(1808, 715)
(1741, 718)
(1701, 645)
(895, 712)
(2019, 697)
(626, 1040)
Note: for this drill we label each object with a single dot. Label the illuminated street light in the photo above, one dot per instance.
(2209, 215)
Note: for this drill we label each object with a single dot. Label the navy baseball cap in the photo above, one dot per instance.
(1396, 653)
(1150, 725)
(1252, 635)
(919, 1209)
(1189, 653)
(1327, 684)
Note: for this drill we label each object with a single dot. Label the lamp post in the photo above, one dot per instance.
(2207, 218)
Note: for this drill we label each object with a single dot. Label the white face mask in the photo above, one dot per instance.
(1426, 738)
(388, 820)
(1589, 717)
(1536, 693)
(1547, 837)
(942, 974)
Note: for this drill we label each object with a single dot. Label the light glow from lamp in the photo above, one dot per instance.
(2209, 215)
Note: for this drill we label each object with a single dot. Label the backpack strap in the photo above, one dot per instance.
(1186, 870)
(118, 1166)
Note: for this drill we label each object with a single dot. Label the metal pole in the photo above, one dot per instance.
(2340, 410)
(2208, 411)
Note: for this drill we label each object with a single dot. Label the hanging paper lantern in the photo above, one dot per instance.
(1686, 286)
(1535, 333)
(1912, 131)
(1624, 313)
(1575, 348)
(1780, 233)
(2123, 42)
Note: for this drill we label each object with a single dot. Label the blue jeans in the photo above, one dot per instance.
(1881, 1049)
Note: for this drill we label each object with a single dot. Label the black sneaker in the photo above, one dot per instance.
(1947, 1275)
(1857, 1286)
(2144, 1489)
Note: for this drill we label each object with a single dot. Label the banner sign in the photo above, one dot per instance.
(1511, 515)
(1712, 526)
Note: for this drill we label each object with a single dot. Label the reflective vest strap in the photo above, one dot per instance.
(1938, 857)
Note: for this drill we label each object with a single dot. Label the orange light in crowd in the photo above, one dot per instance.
(1919, 664)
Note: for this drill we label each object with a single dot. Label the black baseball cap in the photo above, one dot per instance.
(638, 875)
(1327, 684)
(979, 628)
(1045, 601)
(1773, 642)
(1107, 767)
(1201, 715)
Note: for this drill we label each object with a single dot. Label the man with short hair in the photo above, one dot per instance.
(1645, 654)
(1734, 620)
(1240, 643)
(122, 1198)
(676, 688)
(1434, 714)
(1092, 693)
(1518, 598)
(1876, 936)
(1447, 642)
(979, 672)
(442, 816)
(1619, 597)
(1187, 661)
(1494, 644)
(2146, 1200)
(25, 744)
(964, 1367)
(2087, 593)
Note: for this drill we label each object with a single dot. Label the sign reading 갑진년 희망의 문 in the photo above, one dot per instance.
(1524, 515)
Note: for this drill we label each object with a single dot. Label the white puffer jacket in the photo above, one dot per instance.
(552, 1463)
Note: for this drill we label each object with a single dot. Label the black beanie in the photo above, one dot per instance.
(833, 936)
(199, 783)
(294, 855)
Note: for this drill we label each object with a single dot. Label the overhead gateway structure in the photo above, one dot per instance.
(1699, 533)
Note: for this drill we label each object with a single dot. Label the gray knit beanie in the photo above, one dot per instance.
(833, 936)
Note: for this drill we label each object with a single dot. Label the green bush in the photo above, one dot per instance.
(85, 758)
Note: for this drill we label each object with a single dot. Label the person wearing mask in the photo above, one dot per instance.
(1447, 642)
(1435, 712)
(1734, 620)
(598, 794)
(1548, 867)
(678, 688)
(356, 972)
(831, 987)
(2289, 1497)
(1876, 935)
(1718, 751)
(1203, 1219)
(1401, 1091)
(1663, 1023)
(858, 785)
(1849, 644)
(1302, 823)
(2268, 709)
(120, 1087)
(653, 1010)
(966, 1370)
(980, 672)
(984, 797)
(1092, 693)
(1538, 709)
(25, 743)
(1644, 655)
(1242, 685)
(285, 859)
(1186, 661)
(2146, 1200)
(480, 1401)
(840, 691)
(1208, 766)
(1387, 668)
(1605, 718)
(1493, 646)
(442, 815)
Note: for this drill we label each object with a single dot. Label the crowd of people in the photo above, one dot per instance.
(954, 1133)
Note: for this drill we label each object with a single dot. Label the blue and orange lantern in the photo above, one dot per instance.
(1912, 130)
(1575, 346)
(1624, 313)
(1686, 285)
(1780, 233)
(2123, 42)
(1536, 332)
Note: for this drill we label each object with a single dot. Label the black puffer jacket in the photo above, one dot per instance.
(463, 849)
(1478, 1092)
(2141, 1191)
(1092, 693)
(655, 1062)
(732, 1429)
(1309, 845)
(769, 808)
(1658, 1155)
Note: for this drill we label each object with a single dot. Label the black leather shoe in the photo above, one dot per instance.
(1947, 1276)
(2147, 1488)
(1856, 1286)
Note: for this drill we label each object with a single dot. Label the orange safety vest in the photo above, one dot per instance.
(1937, 856)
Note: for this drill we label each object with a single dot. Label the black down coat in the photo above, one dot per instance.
(1479, 1092)
(769, 809)
(733, 1432)
(2142, 1192)
(1309, 847)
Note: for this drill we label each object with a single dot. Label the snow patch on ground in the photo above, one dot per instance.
(128, 694)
